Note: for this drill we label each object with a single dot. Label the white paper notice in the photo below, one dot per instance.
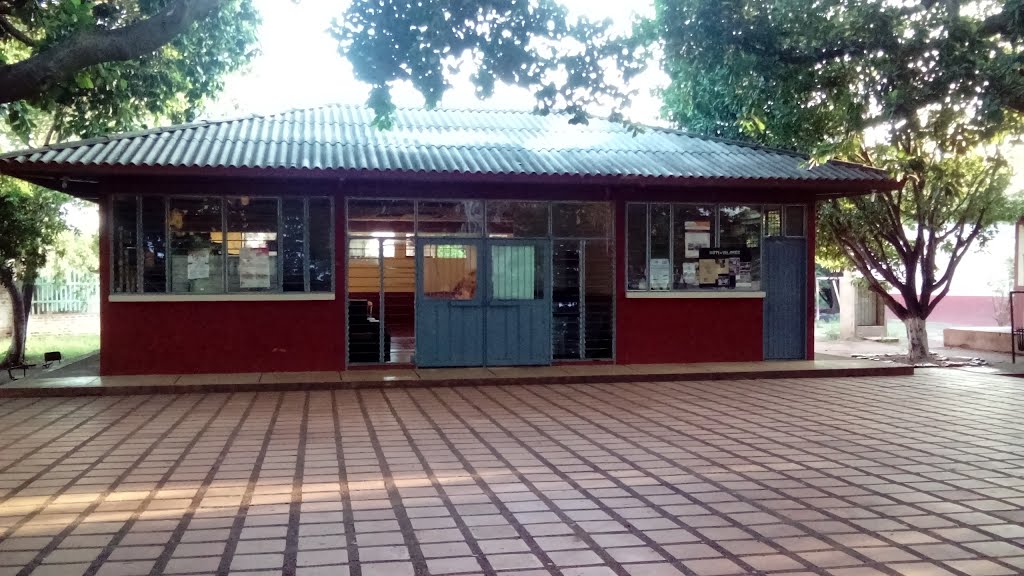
(695, 241)
(661, 274)
(199, 264)
(254, 267)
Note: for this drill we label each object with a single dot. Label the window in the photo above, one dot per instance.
(252, 245)
(690, 246)
(197, 245)
(293, 245)
(124, 230)
(215, 244)
(507, 219)
(154, 244)
(321, 245)
(452, 276)
(794, 221)
(581, 219)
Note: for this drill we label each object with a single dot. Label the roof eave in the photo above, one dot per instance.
(74, 178)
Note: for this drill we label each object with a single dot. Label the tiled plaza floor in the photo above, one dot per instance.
(908, 476)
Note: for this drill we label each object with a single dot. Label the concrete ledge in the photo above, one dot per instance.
(376, 379)
(994, 339)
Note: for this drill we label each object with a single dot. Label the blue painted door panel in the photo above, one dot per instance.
(518, 309)
(504, 320)
(449, 303)
(784, 270)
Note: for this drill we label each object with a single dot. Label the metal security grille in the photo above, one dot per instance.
(583, 304)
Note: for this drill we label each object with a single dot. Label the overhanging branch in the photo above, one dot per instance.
(62, 61)
(12, 31)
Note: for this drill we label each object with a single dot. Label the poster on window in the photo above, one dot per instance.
(661, 274)
(695, 241)
(723, 267)
(198, 263)
(254, 267)
(690, 273)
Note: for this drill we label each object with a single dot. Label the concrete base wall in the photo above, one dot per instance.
(988, 339)
(871, 331)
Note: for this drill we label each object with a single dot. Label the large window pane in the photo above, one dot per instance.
(293, 245)
(507, 219)
(598, 300)
(458, 218)
(566, 299)
(692, 229)
(581, 219)
(252, 244)
(517, 273)
(740, 228)
(154, 244)
(660, 266)
(321, 245)
(636, 245)
(369, 217)
(794, 220)
(125, 245)
(450, 271)
(197, 245)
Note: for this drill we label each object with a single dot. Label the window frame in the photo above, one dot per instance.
(716, 241)
(276, 292)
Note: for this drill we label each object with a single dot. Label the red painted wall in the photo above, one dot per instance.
(221, 337)
(656, 330)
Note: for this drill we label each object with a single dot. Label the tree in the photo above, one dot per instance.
(30, 222)
(91, 68)
(73, 68)
(924, 89)
(570, 64)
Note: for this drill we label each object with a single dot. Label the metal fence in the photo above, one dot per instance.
(77, 293)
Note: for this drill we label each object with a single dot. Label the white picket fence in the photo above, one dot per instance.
(77, 293)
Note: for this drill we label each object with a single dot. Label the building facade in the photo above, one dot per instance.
(312, 241)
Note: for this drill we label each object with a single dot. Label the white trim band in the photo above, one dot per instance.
(695, 294)
(273, 297)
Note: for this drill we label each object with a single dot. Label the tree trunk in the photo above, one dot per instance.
(16, 352)
(917, 339)
(28, 292)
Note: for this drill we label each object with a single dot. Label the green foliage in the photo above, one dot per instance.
(569, 64)
(31, 219)
(827, 77)
(168, 85)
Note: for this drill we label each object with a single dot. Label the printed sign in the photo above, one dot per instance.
(661, 274)
(724, 267)
(199, 264)
(695, 241)
(254, 267)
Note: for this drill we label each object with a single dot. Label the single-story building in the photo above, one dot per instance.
(311, 240)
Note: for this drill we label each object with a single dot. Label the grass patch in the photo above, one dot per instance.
(827, 329)
(71, 346)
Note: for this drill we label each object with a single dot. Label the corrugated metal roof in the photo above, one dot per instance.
(340, 138)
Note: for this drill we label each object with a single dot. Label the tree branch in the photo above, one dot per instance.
(13, 32)
(62, 61)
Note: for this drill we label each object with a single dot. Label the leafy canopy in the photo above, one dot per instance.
(168, 84)
(570, 64)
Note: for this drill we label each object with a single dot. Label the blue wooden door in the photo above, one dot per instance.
(518, 306)
(784, 276)
(449, 303)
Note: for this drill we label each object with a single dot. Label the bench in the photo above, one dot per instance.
(22, 367)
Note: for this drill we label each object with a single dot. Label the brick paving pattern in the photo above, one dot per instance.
(904, 476)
